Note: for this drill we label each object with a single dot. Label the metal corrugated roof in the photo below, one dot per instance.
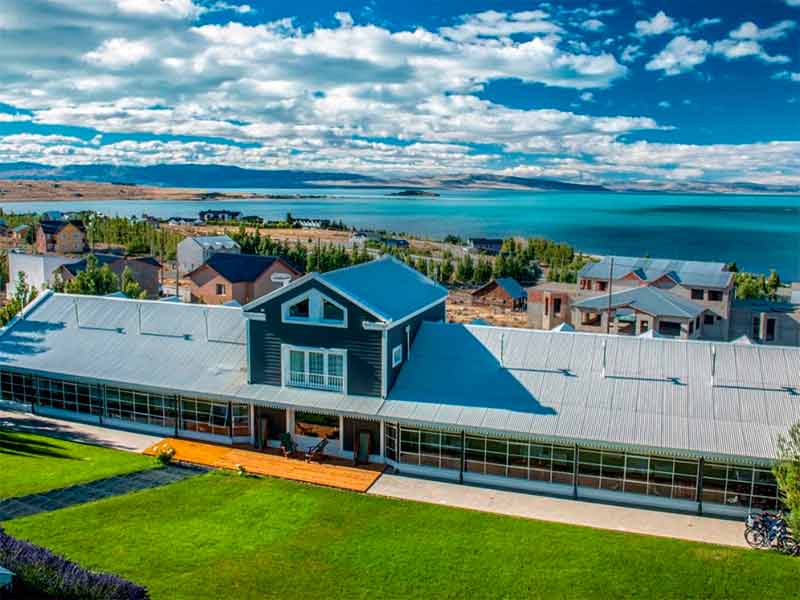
(685, 272)
(657, 394)
(650, 300)
(387, 286)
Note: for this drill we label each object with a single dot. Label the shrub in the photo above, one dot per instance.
(164, 454)
(44, 572)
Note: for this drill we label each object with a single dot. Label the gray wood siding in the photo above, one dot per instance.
(397, 335)
(363, 347)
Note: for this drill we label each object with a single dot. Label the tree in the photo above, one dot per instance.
(129, 286)
(787, 473)
(483, 271)
(447, 270)
(23, 294)
(94, 280)
(773, 282)
(465, 270)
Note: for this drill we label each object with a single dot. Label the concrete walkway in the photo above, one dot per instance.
(562, 510)
(118, 485)
(76, 432)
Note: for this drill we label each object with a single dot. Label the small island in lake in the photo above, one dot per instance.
(415, 193)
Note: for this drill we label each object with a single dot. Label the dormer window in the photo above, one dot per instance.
(314, 308)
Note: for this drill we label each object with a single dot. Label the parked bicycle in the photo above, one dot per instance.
(768, 530)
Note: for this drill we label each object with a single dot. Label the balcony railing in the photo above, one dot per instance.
(316, 381)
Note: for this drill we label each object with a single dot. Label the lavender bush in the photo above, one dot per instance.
(40, 570)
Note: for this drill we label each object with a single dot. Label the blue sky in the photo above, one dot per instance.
(631, 90)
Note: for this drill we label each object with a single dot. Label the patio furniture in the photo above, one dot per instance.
(315, 452)
(288, 447)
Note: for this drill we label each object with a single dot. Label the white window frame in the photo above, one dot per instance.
(397, 355)
(224, 289)
(286, 375)
(315, 310)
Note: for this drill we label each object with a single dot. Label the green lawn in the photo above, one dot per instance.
(34, 463)
(224, 536)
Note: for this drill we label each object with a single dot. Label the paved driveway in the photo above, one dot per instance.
(77, 432)
(563, 510)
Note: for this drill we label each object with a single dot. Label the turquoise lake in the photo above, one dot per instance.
(758, 232)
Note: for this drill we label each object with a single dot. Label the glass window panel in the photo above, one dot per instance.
(641, 463)
(543, 451)
(497, 446)
(300, 310)
(429, 437)
(716, 471)
(563, 454)
(297, 360)
(410, 435)
(316, 363)
(764, 489)
(562, 467)
(740, 473)
(336, 365)
(331, 312)
(661, 465)
(764, 477)
(515, 449)
(686, 468)
(476, 444)
(589, 456)
(453, 441)
(612, 458)
(588, 469)
(494, 458)
(613, 471)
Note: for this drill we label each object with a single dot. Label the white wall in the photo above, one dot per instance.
(38, 269)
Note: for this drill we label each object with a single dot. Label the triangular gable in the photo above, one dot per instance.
(314, 276)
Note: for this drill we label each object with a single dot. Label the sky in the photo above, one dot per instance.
(630, 90)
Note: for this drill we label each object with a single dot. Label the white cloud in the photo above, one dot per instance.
(665, 104)
(787, 75)
(631, 53)
(793, 2)
(659, 24)
(587, 97)
(118, 53)
(733, 49)
(14, 118)
(680, 55)
(593, 25)
(170, 9)
(492, 23)
(707, 22)
(242, 9)
(750, 31)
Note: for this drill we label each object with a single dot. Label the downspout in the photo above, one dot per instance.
(574, 471)
(700, 466)
(463, 464)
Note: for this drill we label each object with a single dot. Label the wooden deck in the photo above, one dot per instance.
(332, 472)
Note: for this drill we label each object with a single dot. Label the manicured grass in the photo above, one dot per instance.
(224, 536)
(34, 463)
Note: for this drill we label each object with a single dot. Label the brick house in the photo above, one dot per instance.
(61, 237)
(239, 277)
(503, 292)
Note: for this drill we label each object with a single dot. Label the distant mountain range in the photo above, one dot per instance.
(221, 176)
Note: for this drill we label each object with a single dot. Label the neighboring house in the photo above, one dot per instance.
(194, 251)
(313, 223)
(636, 311)
(61, 237)
(764, 322)
(361, 357)
(38, 269)
(239, 277)
(359, 238)
(146, 270)
(395, 243)
(20, 232)
(675, 290)
(490, 246)
(503, 292)
(52, 215)
(220, 215)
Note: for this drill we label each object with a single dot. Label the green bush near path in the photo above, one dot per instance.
(223, 536)
(31, 463)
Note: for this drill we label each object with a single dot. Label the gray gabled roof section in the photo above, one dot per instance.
(215, 241)
(683, 272)
(657, 395)
(651, 300)
(388, 286)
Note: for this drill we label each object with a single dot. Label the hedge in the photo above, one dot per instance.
(40, 570)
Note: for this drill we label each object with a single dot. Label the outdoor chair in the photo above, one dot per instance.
(288, 447)
(315, 452)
